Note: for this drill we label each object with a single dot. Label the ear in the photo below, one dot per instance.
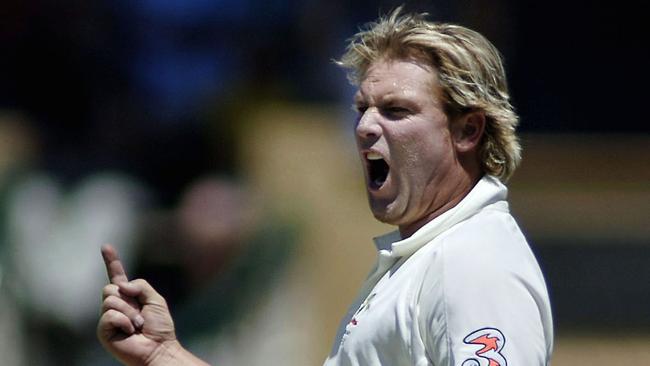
(467, 131)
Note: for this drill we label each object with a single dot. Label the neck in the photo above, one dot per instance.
(466, 185)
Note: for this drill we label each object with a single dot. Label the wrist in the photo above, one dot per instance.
(171, 353)
(165, 354)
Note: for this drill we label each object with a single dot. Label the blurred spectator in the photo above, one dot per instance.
(47, 225)
(12, 339)
(219, 259)
(49, 228)
(17, 149)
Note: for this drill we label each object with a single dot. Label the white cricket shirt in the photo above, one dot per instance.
(464, 290)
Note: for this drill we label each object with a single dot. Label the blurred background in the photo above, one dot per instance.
(211, 143)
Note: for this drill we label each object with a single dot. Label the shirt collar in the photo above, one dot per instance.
(488, 191)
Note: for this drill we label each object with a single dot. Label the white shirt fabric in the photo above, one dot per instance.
(464, 290)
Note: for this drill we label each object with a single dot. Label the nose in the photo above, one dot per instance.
(368, 126)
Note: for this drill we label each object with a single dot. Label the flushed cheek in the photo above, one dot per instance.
(419, 166)
(417, 155)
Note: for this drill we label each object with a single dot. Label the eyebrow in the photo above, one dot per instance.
(391, 98)
(395, 98)
(385, 98)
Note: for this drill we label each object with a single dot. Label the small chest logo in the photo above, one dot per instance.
(355, 318)
(491, 342)
(364, 306)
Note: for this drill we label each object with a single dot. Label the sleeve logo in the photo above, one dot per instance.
(489, 342)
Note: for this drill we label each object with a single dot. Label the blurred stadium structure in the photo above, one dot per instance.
(121, 121)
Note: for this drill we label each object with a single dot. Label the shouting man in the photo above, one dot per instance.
(456, 284)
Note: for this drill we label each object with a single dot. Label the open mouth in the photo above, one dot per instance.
(377, 170)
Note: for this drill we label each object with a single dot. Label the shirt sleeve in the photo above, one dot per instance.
(485, 303)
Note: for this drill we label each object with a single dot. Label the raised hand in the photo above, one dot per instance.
(135, 325)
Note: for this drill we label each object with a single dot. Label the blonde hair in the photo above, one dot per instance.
(470, 74)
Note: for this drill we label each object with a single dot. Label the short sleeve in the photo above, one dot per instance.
(484, 301)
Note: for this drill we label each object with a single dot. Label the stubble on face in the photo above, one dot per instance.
(415, 142)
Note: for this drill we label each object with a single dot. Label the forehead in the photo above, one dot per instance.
(404, 78)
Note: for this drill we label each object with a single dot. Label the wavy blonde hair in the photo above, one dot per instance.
(470, 72)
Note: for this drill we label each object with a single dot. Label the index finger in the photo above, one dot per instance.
(114, 268)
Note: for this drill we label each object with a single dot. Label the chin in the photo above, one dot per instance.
(381, 218)
(385, 216)
(388, 210)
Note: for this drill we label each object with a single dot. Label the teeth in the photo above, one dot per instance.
(373, 156)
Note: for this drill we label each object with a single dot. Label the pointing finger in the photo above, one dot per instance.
(114, 268)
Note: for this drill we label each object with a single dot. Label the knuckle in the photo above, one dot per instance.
(109, 290)
(112, 315)
(119, 304)
(111, 302)
(140, 282)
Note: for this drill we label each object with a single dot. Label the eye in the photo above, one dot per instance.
(396, 112)
(360, 109)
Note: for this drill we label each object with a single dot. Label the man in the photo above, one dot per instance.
(457, 284)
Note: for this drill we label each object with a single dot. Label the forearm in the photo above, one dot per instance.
(173, 354)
